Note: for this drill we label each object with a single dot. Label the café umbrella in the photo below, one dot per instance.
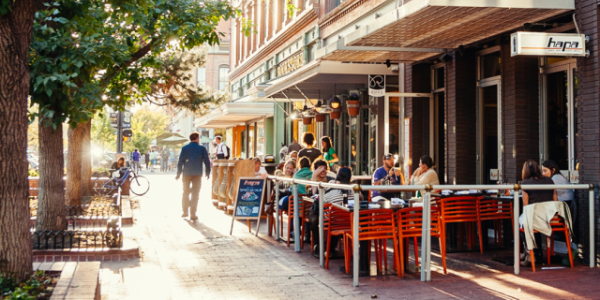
(174, 140)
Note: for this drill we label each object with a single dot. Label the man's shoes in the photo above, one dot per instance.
(184, 215)
(194, 218)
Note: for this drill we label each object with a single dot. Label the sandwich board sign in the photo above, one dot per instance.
(248, 200)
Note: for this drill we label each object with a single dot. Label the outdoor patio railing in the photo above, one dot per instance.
(426, 233)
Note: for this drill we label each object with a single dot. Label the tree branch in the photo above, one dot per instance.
(135, 57)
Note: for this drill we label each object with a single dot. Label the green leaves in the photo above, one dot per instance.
(84, 50)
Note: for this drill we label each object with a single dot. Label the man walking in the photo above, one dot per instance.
(136, 161)
(191, 159)
(222, 152)
(164, 159)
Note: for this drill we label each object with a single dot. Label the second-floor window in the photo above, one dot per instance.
(201, 77)
(223, 79)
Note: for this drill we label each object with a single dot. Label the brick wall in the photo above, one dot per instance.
(417, 109)
(588, 117)
(461, 97)
(520, 112)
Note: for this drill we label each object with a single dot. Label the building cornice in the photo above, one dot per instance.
(280, 40)
(339, 12)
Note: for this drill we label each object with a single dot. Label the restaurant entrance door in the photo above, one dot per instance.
(558, 111)
(404, 143)
(489, 132)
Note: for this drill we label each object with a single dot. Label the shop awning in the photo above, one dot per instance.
(319, 79)
(235, 113)
(420, 29)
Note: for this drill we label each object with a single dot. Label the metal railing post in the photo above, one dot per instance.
(269, 191)
(592, 231)
(516, 214)
(321, 229)
(426, 236)
(296, 219)
(355, 240)
(277, 229)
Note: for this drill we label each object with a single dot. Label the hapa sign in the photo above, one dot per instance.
(547, 44)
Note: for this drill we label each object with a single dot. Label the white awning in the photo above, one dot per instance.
(235, 113)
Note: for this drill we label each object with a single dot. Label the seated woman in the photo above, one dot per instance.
(532, 174)
(550, 169)
(305, 174)
(332, 195)
(424, 174)
(117, 165)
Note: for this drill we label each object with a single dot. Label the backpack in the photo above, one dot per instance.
(228, 152)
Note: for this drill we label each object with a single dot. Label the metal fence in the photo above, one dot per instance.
(426, 233)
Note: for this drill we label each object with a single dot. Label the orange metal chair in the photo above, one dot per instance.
(461, 210)
(326, 211)
(373, 225)
(558, 225)
(496, 210)
(410, 224)
(338, 224)
(303, 207)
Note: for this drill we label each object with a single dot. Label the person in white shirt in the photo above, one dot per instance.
(222, 152)
(425, 174)
(259, 171)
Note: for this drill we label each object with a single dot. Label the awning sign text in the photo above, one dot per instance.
(547, 44)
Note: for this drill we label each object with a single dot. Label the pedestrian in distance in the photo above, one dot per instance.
(152, 160)
(147, 159)
(191, 159)
(164, 159)
(221, 150)
(136, 160)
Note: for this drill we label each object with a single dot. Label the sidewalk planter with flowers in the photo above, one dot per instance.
(353, 104)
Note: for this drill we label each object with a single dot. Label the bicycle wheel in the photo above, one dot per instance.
(102, 187)
(139, 185)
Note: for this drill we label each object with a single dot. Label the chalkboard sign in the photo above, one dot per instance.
(248, 200)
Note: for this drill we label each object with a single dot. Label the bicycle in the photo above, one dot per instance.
(138, 184)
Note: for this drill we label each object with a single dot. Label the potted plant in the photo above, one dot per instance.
(353, 104)
(336, 105)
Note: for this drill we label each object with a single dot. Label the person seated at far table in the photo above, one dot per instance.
(425, 174)
(385, 173)
(259, 170)
(304, 174)
(320, 174)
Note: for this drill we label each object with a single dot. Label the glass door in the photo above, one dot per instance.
(490, 133)
(559, 114)
(489, 116)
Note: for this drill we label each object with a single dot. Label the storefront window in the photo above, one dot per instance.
(260, 139)
(251, 142)
(490, 65)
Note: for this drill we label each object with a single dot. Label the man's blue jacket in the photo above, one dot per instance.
(190, 160)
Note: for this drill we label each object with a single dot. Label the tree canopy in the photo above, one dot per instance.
(89, 53)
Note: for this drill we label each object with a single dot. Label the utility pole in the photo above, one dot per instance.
(120, 132)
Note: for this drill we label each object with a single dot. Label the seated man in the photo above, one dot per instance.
(385, 173)
(259, 171)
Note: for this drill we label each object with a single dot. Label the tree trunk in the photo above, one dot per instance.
(74, 164)
(51, 213)
(15, 238)
(86, 161)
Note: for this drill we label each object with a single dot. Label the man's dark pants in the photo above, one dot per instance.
(191, 184)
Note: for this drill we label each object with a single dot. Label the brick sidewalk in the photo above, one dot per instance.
(186, 260)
